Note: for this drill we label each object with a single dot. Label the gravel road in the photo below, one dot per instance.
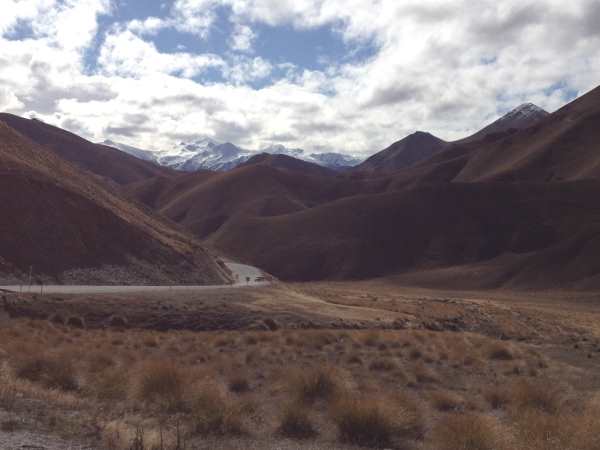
(243, 275)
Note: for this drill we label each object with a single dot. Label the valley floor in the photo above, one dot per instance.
(302, 366)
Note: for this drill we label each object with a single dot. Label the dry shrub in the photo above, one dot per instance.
(498, 397)
(424, 374)
(239, 384)
(383, 365)
(467, 432)
(99, 361)
(537, 430)
(296, 423)
(317, 384)
(446, 401)
(373, 422)
(500, 351)
(53, 371)
(161, 382)
(110, 384)
(540, 395)
(214, 414)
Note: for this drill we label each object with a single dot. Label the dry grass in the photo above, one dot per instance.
(373, 422)
(54, 371)
(213, 413)
(446, 401)
(296, 423)
(315, 384)
(468, 432)
(365, 388)
(163, 383)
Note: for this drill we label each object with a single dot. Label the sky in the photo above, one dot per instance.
(348, 76)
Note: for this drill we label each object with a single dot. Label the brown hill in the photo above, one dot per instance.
(562, 146)
(405, 153)
(70, 228)
(519, 118)
(203, 202)
(514, 208)
(426, 227)
(289, 163)
(101, 160)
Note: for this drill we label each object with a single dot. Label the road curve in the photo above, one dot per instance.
(243, 275)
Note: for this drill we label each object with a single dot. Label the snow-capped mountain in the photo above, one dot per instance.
(519, 118)
(208, 154)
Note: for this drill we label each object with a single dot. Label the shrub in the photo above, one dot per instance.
(213, 414)
(498, 397)
(500, 351)
(322, 383)
(467, 432)
(371, 422)
(239, 384)
(110, 384)
(161, 382)
(54, 372)
(296, 424)
(446, 401)
(542, 395)
(384, 365)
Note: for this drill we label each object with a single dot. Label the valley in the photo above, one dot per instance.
(171, 289)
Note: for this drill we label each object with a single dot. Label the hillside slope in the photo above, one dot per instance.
(70, 228)
(107, 162)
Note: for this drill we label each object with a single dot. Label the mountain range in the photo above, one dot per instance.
(208, 154)
(512, 206)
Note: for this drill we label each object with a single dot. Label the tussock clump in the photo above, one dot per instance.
(384, 365)
(425, 375)
(467, 432)
(316, 384)
(373, 422)
(296, 423)
(239, 384)
(541, 395)
(76, 322)
(501, 351)
(111, 384)
(53, 371)
(214, 414)
(498, 397)
(161, 382)
(446, 401)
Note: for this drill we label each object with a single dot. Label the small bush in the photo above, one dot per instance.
(372, 422)
(446, 401)
(110, 384)
(498, 397)
(296, 424)
(500, 351)
(239, 385)
(541, 395)
(54, 372)
(161, 382)
(322, 383)
(467, 432)
(383, 365)
(212, 414)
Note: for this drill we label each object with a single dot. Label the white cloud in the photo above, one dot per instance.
(242, 38)
(126, 54)
(446, 66)
(243, 69)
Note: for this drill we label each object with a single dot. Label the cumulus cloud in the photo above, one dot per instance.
(445, 66)
(126, 54)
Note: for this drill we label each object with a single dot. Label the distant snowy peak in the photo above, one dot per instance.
(526, 111)
(207, 154)
(519, 118)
